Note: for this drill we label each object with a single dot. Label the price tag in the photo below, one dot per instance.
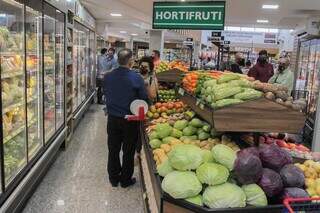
(181, 91)
(198, 102)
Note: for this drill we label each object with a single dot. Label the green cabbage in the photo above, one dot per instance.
(155, 143)
(207, 156)
(192, 138)
(196, 123)
(185, 157)
(181, 124)
(153, 135)
(197, 200)
(163, 130)
(189, 130)
(225, 195)
(224, 155)
(203, 135)
(212, 174)
(255, 195)
(176, 133)
(164, 168)
(181, 184)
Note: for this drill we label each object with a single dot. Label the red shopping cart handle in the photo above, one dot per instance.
(139, 117)
(287, 201)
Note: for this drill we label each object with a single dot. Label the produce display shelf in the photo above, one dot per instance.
(261, 115)
(11, 107)
(170, 76)
(11, 74)
(167, 204)
(17, 131)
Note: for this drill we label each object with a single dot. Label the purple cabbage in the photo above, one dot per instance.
(273, 157)
(248, 167)
(292, 176)
(270, 182)
(250, 150)
(294, 192)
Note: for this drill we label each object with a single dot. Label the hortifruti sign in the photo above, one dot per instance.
(203, 15)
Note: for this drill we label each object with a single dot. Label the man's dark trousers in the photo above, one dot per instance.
(121, 133)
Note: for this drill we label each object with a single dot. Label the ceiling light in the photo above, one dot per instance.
(183, 0)
(134, 34)
(3, 15)
(262, 21)
(116, 14)
(123, 32)
(270, 6)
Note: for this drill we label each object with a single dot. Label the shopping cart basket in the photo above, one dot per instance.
(310, 205)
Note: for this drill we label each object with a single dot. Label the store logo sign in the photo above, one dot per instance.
(208, 15)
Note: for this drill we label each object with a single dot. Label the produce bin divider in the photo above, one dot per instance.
(170, 76)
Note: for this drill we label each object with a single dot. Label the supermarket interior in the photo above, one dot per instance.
(211, 106)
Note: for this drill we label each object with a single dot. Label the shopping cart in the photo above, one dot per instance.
(310, 205)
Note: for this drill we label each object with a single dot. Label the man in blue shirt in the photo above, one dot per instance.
(121, 87)
(106, 63)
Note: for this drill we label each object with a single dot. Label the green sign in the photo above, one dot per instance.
(205, 15)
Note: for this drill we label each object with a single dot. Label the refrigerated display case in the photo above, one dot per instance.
(32, 85)
(308, 78)
(83, 64)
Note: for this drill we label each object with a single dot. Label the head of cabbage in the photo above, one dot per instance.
(197, 200)
(225, 195)
(164, 168)
(212, 173)
(185, 157)
(181, 184)
(224, 155)
(255, 195)
(207, 156)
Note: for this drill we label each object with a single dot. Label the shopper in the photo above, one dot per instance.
(263, 70)
(121, 87)
(146, 69)
(101, 70)
(156, 57)
(210, 65)
(235, 67)
(284, 76)
(111, 61)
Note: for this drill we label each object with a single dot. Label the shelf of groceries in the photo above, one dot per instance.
(224, 142)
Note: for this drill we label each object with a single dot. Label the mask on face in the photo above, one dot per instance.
(143, 70)
(281, 67)
(262, 59)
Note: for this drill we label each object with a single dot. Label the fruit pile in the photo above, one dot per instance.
(311, 170)
(178, 64)
(166, 95)
(162, 67)
(165, 109)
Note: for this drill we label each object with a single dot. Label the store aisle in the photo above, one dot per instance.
(77, 181)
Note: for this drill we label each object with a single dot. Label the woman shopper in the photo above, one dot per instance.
(263, 70)
(146, 69)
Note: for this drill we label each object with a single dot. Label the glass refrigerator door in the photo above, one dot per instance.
(12, 87)
(33, 28)
(91, 76)
(49, 71)
(314, 90)
(302, 66)
(75, 67)
(59, 78)
(84, 63)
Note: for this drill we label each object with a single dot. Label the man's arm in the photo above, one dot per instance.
(272, 80)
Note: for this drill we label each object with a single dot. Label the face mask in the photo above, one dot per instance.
(262, 59)
(143, 70)
(281, 67)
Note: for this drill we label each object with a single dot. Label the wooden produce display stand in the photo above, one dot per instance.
(261, 115)
(157, 201)
(170, 76)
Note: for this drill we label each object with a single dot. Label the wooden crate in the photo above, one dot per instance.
(260, 115)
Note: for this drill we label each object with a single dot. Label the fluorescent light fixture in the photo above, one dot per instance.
(3, 15)
(262, 21)
(183, 0)
(273, 30)
(233, 28)
(247, 29)
(123, 32)
(116, 14)
(270, 6)
(261, 30)
(134, 34)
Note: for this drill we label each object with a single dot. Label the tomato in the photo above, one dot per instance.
(282, 144)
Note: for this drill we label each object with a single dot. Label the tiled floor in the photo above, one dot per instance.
(77, 182)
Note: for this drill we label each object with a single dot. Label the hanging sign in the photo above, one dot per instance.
(203, 15)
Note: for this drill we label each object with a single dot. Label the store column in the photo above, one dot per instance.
(157, 41)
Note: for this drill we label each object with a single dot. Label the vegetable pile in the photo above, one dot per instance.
(167, 95)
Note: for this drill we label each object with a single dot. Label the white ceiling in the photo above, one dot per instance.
(137, 14)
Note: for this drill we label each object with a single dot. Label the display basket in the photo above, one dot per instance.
(304, 205)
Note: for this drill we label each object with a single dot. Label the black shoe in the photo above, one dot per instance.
(114, 183)
(129, 183)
